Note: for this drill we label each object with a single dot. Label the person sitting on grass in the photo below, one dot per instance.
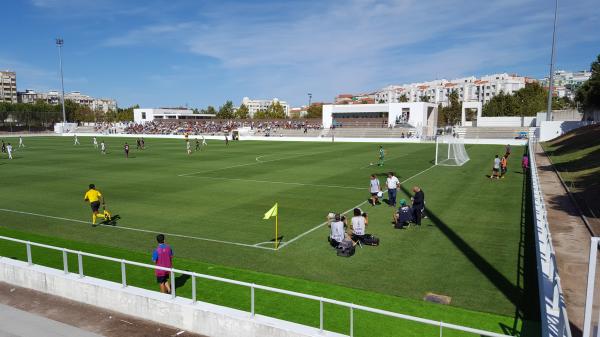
(359, 222)
(338, 230)
(403, 216)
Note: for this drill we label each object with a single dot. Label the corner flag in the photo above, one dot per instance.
(273, 212)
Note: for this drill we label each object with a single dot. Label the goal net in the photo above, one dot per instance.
(450, 151)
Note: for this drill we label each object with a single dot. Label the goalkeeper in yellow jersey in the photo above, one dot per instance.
(94, 197)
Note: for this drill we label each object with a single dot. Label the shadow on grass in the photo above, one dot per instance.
(523, 292)
(181, 280)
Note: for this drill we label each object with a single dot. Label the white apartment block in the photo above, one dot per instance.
(255, 105)
(566, 83)
(469, 89)
(53, 97)
(8, 86)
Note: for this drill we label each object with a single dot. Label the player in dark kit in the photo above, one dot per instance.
(126, 148)
(138, 144)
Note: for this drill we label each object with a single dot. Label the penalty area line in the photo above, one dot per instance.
(279, 182)
(138, 229)
(345, 212)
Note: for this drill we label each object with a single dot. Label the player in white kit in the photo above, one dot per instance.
(75, 140)
(21, 144)
(9, 151)
(95, 141)
(103, 147)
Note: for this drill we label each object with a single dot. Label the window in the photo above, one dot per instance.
(143, 115)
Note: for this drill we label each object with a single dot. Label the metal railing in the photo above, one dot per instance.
(252, 287)
(555, 322)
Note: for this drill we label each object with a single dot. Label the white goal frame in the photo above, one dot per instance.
(457, 154)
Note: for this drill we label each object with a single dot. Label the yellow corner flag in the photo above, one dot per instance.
(273, 212)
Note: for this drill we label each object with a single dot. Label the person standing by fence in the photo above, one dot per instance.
(162, 256)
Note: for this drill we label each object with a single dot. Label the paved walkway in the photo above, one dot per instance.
(571, 240)
(25, 312)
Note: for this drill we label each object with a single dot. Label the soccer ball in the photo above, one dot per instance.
(379, 194)
(370, 164)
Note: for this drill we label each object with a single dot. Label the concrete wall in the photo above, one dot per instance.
(551, 129)
(207, 319)
(314, 139)
(505, 121)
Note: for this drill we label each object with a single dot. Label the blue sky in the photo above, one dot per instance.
(171, 53)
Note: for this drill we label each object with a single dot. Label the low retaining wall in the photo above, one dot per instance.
(203, 318)
(491, 141)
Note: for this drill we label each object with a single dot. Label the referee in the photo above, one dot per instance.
(93, 196)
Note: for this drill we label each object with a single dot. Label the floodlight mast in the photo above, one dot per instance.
(551, 78)
(59, 43)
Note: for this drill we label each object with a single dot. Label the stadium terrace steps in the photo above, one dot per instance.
(497, 132)
(368, 132)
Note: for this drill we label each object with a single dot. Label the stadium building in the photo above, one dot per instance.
(144, 115)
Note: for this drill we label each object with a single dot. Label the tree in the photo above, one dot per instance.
(260, 114)
(211, 110)
(242, 112)
(315, 111)
(588, 94)
(527, 101)
(403, 98)
(275, 110)
(226, 111)
(424, 98)
(451, 114)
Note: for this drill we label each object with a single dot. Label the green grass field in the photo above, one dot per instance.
(476, 245)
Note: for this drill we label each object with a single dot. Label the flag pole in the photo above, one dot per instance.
(276, 225)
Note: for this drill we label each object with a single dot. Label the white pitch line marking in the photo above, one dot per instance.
(347, 211)
(138, 229)
(280, 182)
(373, 164)
(251, 163)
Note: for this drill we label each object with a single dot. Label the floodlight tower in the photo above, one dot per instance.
(551, 78)
(309, 99)
(59, 44)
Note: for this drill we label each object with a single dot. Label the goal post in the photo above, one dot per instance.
(450, 151)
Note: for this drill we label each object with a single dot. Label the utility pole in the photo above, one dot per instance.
(59, 44)
(551, 78)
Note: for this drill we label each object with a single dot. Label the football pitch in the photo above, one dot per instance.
(475, 246)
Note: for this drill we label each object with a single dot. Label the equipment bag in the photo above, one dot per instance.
(345, 248)
(370, 240)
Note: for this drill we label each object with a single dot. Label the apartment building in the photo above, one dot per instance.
(53, 97)
(255, 105)
(566, 83)
(8, 86)
(470, 89)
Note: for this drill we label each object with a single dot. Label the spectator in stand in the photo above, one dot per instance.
(418, 204)
(162, 256)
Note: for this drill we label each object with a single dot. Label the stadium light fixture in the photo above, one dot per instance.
(59, 43)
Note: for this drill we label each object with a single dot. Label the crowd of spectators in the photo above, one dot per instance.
(215, 127)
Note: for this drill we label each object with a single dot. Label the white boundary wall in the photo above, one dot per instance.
(505, 121)
(499, 141)
(554, 320)
(551, 129)
(203, 318)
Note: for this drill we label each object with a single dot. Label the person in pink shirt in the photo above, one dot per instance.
(162, 256)
(525, 163)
